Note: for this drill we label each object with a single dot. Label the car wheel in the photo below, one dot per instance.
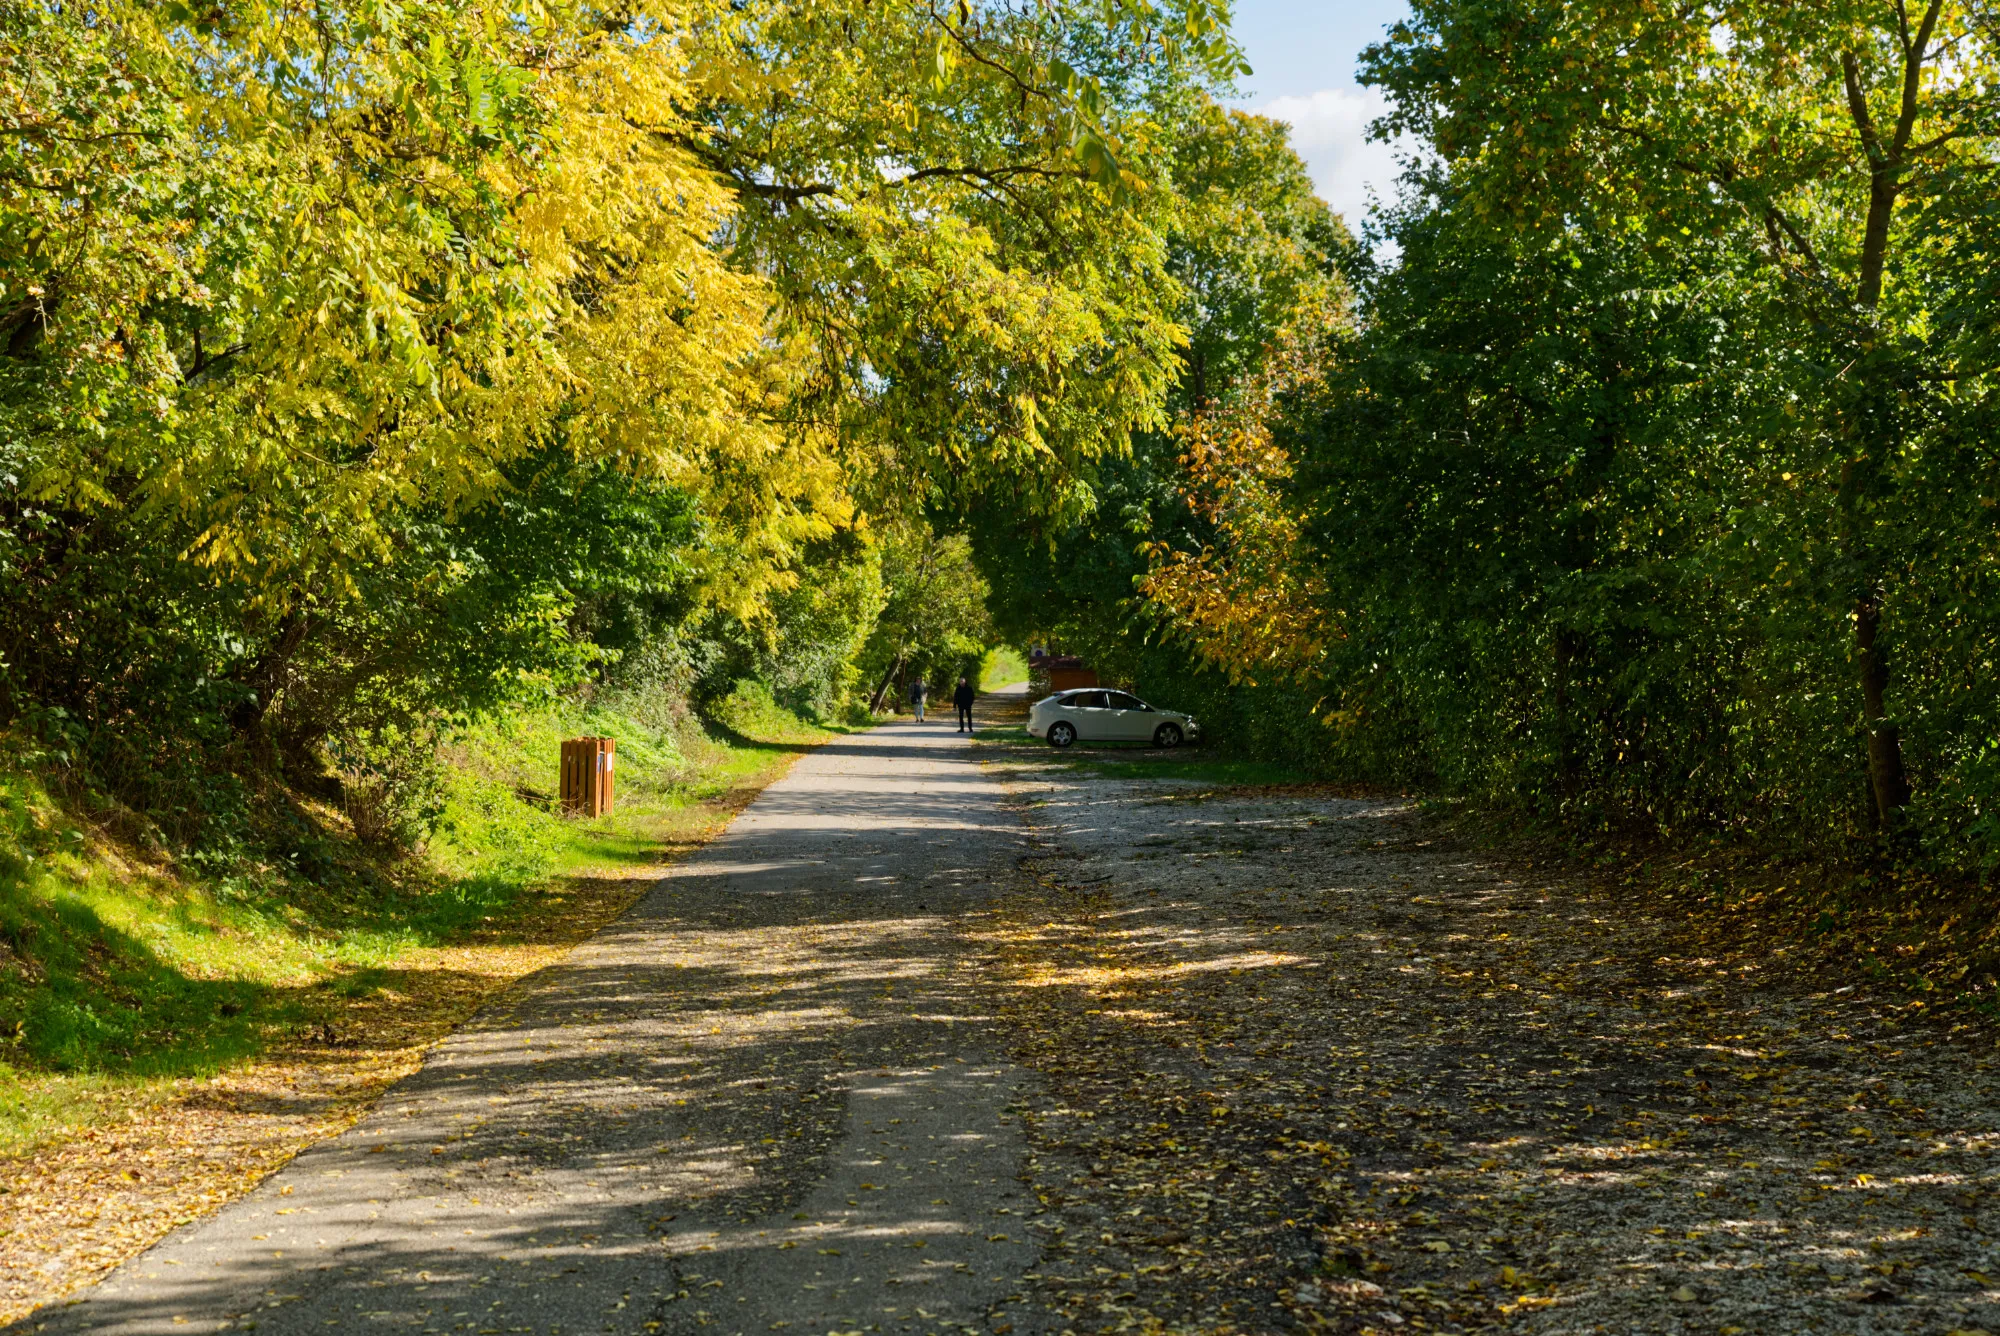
(1061, 733)
(1167, 735)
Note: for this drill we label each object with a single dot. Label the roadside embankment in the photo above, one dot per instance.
(173, 1029)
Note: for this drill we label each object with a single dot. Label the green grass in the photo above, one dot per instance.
(1142, 760)
(114, 972)
(503, 777)
(1002, 667)
(119, 973)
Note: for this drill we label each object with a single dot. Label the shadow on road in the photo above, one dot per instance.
(594, 1147)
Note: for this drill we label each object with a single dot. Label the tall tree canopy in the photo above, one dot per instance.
(293, 301)
(1653, 480)
(1843, 147)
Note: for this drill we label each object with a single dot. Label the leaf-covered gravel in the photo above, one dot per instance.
(1306, 1065)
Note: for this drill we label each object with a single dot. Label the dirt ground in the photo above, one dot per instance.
(1306, 1065)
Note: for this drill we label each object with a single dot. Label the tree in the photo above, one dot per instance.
(1252, 246)
(292, 300)
(1254, 602)
(960, 210)
(1829, 141)
(934, 623)
(308, 300)
(1149, 584)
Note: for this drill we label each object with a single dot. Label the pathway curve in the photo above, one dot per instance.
(768, 1098)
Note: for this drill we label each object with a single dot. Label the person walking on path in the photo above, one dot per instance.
(963, 698)
(920, 692)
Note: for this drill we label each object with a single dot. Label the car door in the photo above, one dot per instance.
(1087, 711)
(1127, 717)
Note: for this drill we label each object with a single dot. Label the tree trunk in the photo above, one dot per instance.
(266, 675)
(1886, 780)
(875, 701)
(1569, 753)
(1888, 168)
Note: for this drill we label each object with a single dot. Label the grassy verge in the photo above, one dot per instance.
(500, 816)
(154, 1012)
(118, 971)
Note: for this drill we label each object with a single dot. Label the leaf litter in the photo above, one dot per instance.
(78, 1207)
(1308, 1065)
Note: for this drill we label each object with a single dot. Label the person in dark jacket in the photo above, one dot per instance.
(963, 698)
(920, 694)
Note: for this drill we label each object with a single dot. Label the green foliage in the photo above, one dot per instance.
(1252, 247)
(1002, 666)
(1512, 485)
(495, 360)
(391, 784)
(752, 711)
(934, 623)
(820, 626)
(961, 210)
(1653, 487)
(1254, 251)
(117, 971)
(298, 308)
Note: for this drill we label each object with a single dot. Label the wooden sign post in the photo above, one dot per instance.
(588, 765)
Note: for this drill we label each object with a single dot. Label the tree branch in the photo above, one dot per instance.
(1798, 240)
(1857, 107)
(786, 194)
(973, 53)
(42, 130)
(1913, 71)
(205, 365)
(1939, 140)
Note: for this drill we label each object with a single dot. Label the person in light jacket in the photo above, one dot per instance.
(920, 692)
(963, 698)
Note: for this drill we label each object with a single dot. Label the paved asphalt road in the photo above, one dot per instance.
(763, 1101)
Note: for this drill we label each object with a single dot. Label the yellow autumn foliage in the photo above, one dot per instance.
(1253, 604)
(423, 242)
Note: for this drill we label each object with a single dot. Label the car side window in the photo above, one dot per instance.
(1121, 701)
(1086, 700)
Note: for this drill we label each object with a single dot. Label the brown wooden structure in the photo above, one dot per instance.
(1067, 672)
(588, 771)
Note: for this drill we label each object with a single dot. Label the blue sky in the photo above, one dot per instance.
(1303, 54)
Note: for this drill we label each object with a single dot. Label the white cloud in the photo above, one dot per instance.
(1330, 131)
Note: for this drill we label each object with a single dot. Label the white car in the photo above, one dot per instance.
(1096, 714)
